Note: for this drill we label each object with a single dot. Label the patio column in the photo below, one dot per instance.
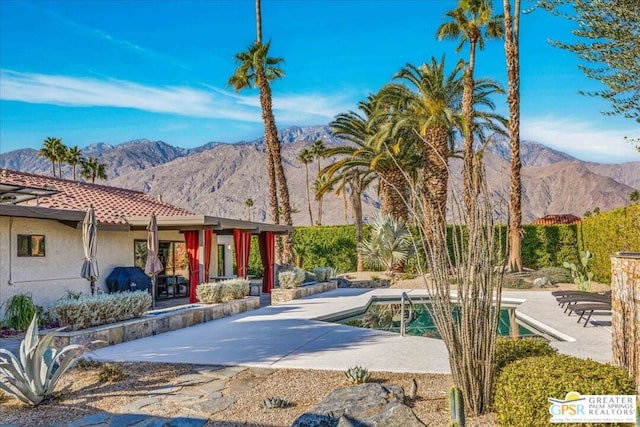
(208, 243)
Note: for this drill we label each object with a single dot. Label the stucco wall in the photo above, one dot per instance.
(48, 278)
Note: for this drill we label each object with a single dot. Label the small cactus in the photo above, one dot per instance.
(456, 407)
(275, 402)
(357, 375)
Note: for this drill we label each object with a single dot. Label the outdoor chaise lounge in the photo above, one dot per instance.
(588, 308)
(565, 301)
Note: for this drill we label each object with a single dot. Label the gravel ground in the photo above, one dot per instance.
(81, 393)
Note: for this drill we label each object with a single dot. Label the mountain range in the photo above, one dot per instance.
(217, 178)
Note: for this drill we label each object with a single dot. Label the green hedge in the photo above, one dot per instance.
(326, 246)
(607, 233)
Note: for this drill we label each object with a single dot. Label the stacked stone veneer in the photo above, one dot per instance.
(279, 295)
(149, 325)
(625, 319)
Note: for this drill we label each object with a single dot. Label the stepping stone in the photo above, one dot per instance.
(183, 397)
(90, 420)
(191, 379)
(222, 371)
(125, 420)
(187, 422)
(215, 385)
(167, 389)
(136, 406)
(152, 422)
(242, 384)
(213, 406)
(261, 372)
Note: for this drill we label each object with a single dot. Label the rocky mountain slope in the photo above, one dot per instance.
(216, 178)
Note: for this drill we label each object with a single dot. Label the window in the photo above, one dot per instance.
(30, 245)
(173, 256)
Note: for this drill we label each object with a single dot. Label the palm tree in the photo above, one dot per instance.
(48, 151)
(92, 169)
(321, 182)
(430, 105)
(257, 69)
(61, 155)
(305, 157)
(388, 245)
(512, 51)
(74, 158)
(468, 21)
(249, 204)
(317, 151)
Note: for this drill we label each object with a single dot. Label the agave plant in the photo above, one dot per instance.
(275, 402)
(357, 375)
(33, 378)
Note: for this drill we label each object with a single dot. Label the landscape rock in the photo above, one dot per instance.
(369, 404)
(543, 282)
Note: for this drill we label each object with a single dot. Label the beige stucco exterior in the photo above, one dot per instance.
(48, 278)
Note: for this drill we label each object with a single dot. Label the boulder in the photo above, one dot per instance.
(369, 404)
(543, 282)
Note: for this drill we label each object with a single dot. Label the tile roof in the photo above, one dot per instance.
(557, 220)
(111, 204)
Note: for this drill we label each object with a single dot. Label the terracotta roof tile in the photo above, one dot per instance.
(557, 220)
(111, 204)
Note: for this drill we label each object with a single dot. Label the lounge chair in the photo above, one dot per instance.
(569, 301)
(575, 293)
(588, 309)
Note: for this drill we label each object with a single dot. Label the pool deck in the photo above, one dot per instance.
(288, 336)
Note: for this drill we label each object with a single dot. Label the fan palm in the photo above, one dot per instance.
(74, 158)
(49, 152)
(471, 22)
(317, 151)
(257, 69)
(249, 204)
(92, 169)
(305, 157)
(389, 243)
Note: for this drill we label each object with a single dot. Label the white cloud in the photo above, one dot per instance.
(584, 140)
(213, 103)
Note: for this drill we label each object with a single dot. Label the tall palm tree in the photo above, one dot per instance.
(257, 69)
(249, 204)
(305, 157)
(74, 158)
(512, 51)
(468, 22)
(317, 151)
(431, 102)
(48, 152)
(61, 155)
(92, 169)
(321, 182)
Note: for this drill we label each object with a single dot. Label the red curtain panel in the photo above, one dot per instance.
(208, 238)
(266, 243)
(191, 240)
(237, 245)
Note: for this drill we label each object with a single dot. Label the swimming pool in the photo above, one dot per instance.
(385, 314)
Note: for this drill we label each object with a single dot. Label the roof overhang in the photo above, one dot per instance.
(71, 218)
(203, 222)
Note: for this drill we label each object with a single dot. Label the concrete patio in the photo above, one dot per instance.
(289, 336)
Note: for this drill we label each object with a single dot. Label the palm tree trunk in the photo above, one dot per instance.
(469, 187)
(258, 22)
(53, 167)
(319, 197)
(512, 50)
(271, 137)
(344, 204)
(435, 176)
(74, 172)
(356, 203)
(394, 194)
(306, 169)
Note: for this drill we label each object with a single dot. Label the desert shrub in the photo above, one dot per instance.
(512, 281)
(333, 246)
(291, 278)
(110, 373)
(524, 386)
(509, 350)
(19, 311)
(101, 309)
(227, 290)
(320, 273)
(555, 274)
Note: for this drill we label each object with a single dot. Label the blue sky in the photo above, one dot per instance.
(112, 71)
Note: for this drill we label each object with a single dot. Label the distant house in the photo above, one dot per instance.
(562, 219)
(41, 250)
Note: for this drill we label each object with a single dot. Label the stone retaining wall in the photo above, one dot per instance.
(279, 295)
(149, 325)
